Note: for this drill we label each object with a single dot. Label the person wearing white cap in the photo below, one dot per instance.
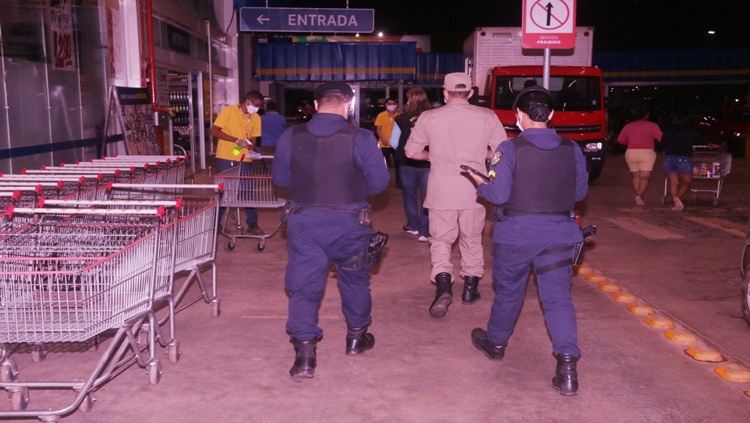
(457, 134)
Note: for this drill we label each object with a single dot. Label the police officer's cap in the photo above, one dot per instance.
(533, 88)
(333, 87)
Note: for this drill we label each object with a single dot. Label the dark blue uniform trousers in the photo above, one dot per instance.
(317, 237)
(511, 266)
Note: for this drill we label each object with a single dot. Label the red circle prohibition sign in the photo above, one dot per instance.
(549, 14)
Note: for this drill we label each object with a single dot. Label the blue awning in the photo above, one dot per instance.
(336, 61)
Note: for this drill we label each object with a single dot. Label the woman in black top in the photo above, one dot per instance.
(413, 174)
(678, 142)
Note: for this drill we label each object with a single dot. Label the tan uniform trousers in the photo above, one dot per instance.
(465, 225)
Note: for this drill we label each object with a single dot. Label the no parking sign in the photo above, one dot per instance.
(549, 24)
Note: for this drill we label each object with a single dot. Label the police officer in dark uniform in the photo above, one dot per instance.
(330, 167)
(538, 177)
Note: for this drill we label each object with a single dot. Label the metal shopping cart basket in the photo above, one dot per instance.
(247, 184)
(69, 275)
(710, 167)
(196, 230)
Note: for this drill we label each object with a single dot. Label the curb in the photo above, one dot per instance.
(696, 350)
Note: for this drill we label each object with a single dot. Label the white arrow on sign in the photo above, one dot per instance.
(261, 20)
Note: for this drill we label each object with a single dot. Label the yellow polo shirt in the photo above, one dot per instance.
(233, 122)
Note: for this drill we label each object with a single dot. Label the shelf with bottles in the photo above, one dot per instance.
(179, 99)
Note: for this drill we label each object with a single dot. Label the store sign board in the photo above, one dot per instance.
(284, 19)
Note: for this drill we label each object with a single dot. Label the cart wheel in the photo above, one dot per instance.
(261, 246)
(154, 372)
(173, 349)
(8, 371)
(215, 308)
(19, 399)
(38, 353)
(229, 246)
(87, 404)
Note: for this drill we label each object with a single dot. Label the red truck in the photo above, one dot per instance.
(501, 68)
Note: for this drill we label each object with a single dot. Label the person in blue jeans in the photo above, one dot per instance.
(413, 174)
(678, 142)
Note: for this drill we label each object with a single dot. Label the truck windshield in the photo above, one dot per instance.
(569, 93)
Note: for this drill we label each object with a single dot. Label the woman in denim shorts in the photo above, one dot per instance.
(678, 142)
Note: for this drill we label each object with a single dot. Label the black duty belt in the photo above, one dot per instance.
(514, 213)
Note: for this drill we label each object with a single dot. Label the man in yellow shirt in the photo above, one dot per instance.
(238, 125)
(384, 125)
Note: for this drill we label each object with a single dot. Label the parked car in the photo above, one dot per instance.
(729, 126)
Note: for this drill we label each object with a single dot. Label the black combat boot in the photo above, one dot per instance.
(566, 374)
(304, 360)
(358, 340)
(470, 294)
(443, 295)
(480, 340)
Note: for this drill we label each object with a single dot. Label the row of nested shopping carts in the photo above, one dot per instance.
(88, 255)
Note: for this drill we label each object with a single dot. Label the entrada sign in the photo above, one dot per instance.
(284, 19)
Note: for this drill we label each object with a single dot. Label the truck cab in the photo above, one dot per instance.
(578, 101)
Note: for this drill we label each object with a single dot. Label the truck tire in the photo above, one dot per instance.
(594, 171)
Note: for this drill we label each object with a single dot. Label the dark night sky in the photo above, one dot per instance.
(619, 25)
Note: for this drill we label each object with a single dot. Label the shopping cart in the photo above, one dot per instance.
(196, 228)
(70, 275)
(710, 167)
(247, 184)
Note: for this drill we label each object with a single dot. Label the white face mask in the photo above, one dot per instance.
(252, 109)
(391, 107)
(518, 122)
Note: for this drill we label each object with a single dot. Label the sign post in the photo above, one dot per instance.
(284, 19)
(548, 24)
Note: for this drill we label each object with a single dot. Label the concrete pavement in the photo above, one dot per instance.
(235, 367)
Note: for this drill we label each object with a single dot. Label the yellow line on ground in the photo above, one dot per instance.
(644, 229)
(721, 224)
(285, 316)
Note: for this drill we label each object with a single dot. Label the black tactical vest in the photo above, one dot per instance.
(544, 181)
(323, 172)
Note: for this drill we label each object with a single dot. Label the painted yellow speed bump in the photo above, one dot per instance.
(623, 297)
(680, 336)
(704, 353)
(658, 322)
(733, 372)
(596, 277)
(640, 309)
(608, 287)
(583, 269)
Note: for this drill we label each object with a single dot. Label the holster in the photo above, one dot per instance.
(372, 250)
(288, 209)
(497, 214)
(577, 248)
(375, 247)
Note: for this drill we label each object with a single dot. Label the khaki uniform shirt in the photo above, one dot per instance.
(457, 133)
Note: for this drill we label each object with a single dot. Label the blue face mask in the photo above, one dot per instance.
(518, 122)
